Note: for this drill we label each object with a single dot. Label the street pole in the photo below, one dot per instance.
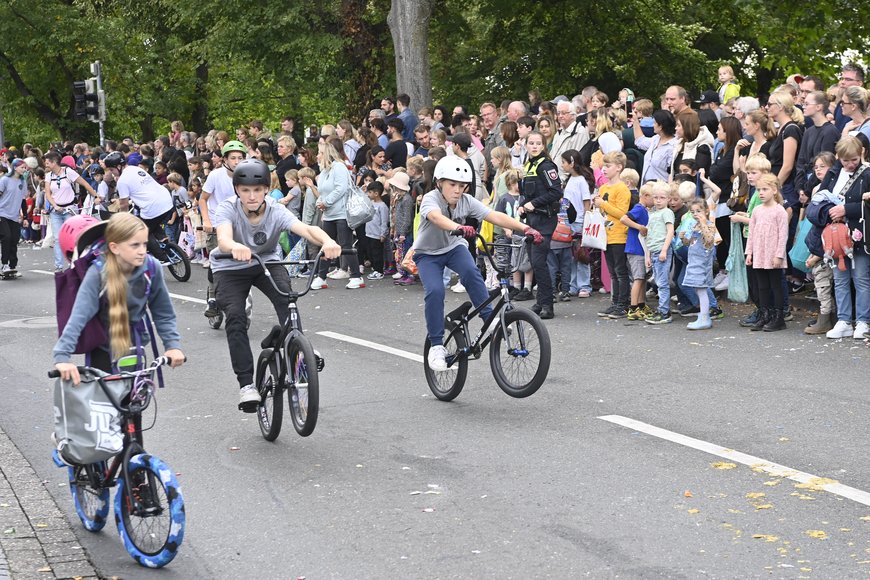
(97, 71)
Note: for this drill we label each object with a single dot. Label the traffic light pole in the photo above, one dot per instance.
(97, 71)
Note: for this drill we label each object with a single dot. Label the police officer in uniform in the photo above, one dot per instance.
(541, 195)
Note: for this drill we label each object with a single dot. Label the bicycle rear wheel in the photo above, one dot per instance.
(271, 410)
(521, 361)
(92, 503)
(153, 533)
(446, 385)
(179, 263)
(303, 385)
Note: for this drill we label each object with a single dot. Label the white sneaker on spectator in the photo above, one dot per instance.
(397, 275)
(318, 283)
(722, 285)
(842, 329)
(458, 288)
(355, 283)
(861, 329)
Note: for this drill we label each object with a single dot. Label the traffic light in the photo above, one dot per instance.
(86, 104)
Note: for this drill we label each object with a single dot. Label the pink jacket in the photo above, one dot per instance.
(768, 233)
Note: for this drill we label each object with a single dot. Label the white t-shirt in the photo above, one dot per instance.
(152, 199)
(577, 191)
(219, 187)
(61, 186)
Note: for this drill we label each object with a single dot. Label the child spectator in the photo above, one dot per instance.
(635, 252)
(631, 179)
(179, 201)
(823, 276)
(311, 215)
(377, 230)
(765, 252)
(507, 204)
(293, 199)
(577, 190)
(701, 242)
(614, 199)
(728, 88)
(161, 174)
(643, 114)
(401, 223)
(660, 233)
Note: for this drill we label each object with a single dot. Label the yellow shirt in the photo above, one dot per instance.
(618, 199)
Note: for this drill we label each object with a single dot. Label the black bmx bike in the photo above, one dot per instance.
(519, 344)
(149, 506)
(288, 362)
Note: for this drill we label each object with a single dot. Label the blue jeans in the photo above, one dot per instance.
(858, 273)
(560, 260)
(581, 278)
(57, 220)
(662, 273)
(431, 267)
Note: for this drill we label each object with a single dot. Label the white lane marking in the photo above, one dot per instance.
(188, 298)
(373, 345)
(775, 469)
(176, 296)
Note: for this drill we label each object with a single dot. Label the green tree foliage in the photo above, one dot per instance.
(222, 63)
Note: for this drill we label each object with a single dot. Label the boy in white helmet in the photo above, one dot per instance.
(443, 211)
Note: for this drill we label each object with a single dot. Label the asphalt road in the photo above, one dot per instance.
(394, 483)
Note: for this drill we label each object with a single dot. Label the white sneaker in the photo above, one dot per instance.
(722, 285)
(458, 288)
(437, 359)
(842, 329)
(318, 283)
(5, 269)
(338, 274)
(206, 263)
(861, 329)
(355, 283)
(720, 275)
(248, 395)
(397, 275)
(375, 275)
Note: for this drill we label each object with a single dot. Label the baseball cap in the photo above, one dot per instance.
(134, 159)
(708, 96)
(462, 140)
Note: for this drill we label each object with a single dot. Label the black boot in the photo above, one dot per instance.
(547, 312)
(764, 315)
(776, 322)
(750, 320)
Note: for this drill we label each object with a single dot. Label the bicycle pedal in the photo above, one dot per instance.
(249, 407)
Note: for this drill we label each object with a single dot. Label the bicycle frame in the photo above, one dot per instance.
(475, 348)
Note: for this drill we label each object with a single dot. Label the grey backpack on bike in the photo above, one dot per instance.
(87, 423)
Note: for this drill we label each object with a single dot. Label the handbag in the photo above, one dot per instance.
(594, 232)
(87, 422)
(360, 209)
(738, 283)
(580, 254)
(799, 251)
(563, 233)
(739, 192)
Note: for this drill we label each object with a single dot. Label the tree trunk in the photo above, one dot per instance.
(409, 26)
(147, 126)
(200, 109)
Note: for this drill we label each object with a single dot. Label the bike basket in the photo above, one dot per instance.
(87, 423)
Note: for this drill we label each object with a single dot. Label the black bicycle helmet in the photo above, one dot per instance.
(252, 172)
(114, 159)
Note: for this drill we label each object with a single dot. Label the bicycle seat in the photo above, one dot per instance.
(457, 314)
(271, 341)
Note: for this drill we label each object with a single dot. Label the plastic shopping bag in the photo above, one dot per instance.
(594, 232)
(738, 283)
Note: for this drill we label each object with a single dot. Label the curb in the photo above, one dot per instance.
(36, 540)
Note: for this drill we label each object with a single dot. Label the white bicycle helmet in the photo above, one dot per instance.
(454, 169)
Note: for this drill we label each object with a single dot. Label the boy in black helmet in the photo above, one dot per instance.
(251, 223)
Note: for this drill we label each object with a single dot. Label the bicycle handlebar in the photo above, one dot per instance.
(263, 263)
(155, 364)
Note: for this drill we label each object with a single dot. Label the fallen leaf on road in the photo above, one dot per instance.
(865, 518)
(783, 439)
(754, 495)
(234, 448)
(772, 482)
(41, 525)
(44, 569)
(765, 506)
(765, 537)
(723, 465)
(816, 483)
(733, 511)
(817, 534)
(687, 493)
(416, 492)
(694, 511)
(428, 510)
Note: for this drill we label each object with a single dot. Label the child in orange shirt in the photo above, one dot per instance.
(614, 198)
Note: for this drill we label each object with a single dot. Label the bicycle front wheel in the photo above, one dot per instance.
(271, 410)
(153, 531)
(446, 385)
(520, 362)
(92, 503)
(179, 263)
(303, 385)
